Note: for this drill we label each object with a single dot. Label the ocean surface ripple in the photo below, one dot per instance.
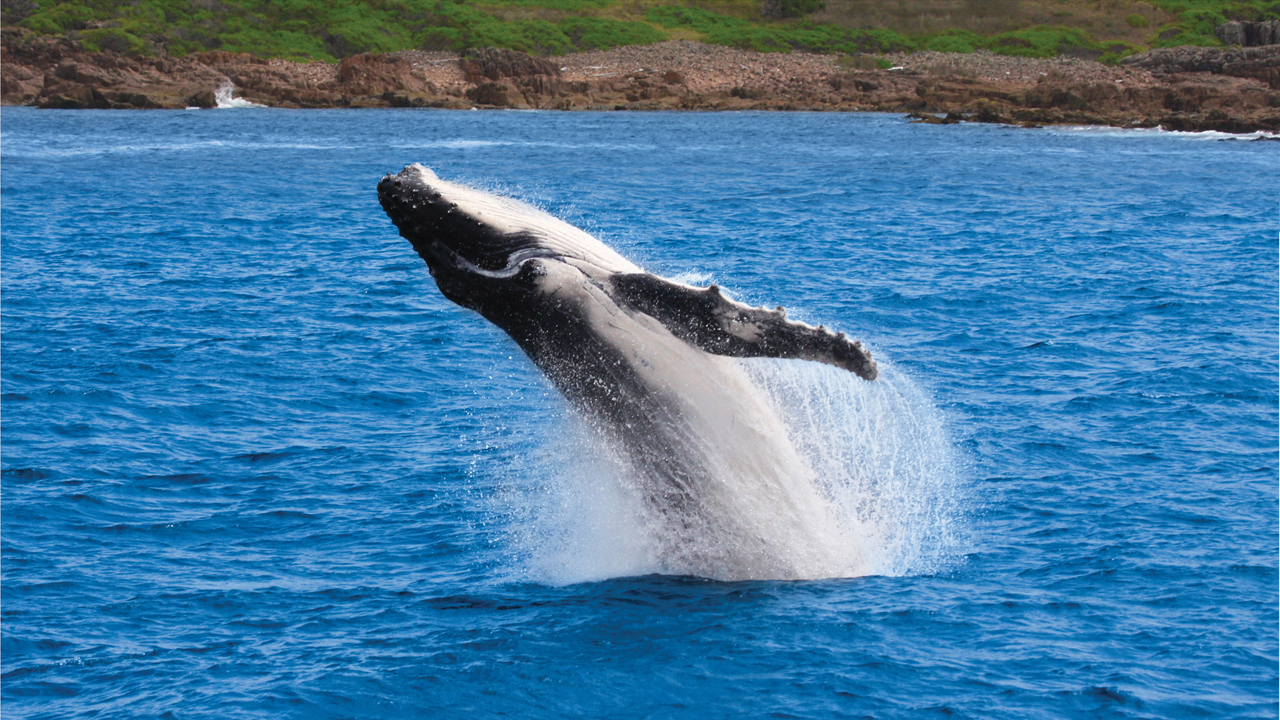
(254, 465)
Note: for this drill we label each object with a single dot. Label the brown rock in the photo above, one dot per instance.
(1255, 62)
(492, 93)
(69, 96)
(924, 117)
(203, 99)
(19, 84)
(988, 113)
(125, 100)
(399, 101)
(222, 57)
(374, 74)
(542, 85)
(1249, 33)
(479, 64)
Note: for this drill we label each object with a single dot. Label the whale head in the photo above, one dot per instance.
(477, 244)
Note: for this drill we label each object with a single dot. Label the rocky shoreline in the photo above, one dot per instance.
(1233, 90)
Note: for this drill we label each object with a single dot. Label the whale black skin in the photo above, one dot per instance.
(644, 359)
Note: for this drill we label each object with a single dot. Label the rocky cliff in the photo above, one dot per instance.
(1232, 90)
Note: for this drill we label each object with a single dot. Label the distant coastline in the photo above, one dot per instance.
(1231, 89)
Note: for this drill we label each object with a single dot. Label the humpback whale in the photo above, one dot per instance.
(650, 365)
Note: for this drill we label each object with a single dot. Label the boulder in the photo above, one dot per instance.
(480, 64)
(1249, 33)
(71, 96)
(492, 93)
(374, 74)
(203, 99)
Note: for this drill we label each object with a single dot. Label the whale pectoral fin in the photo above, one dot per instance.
(706, 319)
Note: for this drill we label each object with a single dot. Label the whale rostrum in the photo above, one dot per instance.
(648, 363)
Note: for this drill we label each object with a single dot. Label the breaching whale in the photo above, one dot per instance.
(649, 364)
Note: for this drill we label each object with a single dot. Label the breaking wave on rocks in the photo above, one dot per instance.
(225, 95)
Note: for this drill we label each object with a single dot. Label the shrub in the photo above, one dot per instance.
(1173, 36)
(565, 5)
(458, 26)
(956, 41)
(805, 35)
(1042, 41)
(536, 37)
(1136, 21)
(703, 21)
(791, 8)
(350, 30)
(59, 19)
(442, 38)
(1116, 51)
(590, 32)
(113, 39)
(1196, 19)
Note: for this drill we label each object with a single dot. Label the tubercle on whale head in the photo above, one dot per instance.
(448, 237)
(417, 212)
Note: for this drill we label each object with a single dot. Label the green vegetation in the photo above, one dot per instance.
(317, 30)
(1041, 41)
(791, 8)
(1197, 18)
(803, 34)
(329, 30)
(602, 33)
(457, 26)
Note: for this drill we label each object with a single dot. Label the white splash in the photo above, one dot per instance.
(881, 454)
(876, 458)
(1212, 135)
(693, 277)
(225, 97)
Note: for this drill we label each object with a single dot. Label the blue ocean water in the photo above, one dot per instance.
(254, 465)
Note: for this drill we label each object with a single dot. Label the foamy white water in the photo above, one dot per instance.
(1215, 135)
(881, 454)
(878, 477)
(225, 95)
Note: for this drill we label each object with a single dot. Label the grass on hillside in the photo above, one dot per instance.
(1197, 18)
(318, 30)
(329, 30)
